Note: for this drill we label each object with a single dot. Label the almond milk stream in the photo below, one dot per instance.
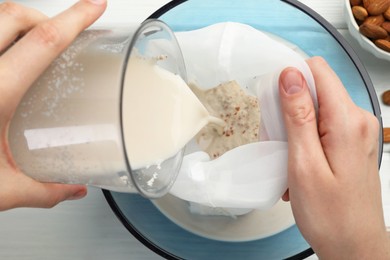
(161, 113)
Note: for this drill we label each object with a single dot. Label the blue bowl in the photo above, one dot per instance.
(295, 23)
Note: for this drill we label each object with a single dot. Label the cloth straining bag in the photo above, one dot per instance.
(252, 176)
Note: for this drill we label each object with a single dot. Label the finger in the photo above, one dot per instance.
(41, 46)
(47, 195)
(18, 20)
(32, 193)
(337, 110)
(298, 111)
(341, 122)
(286, 196)
(333, 98)
(304, 146)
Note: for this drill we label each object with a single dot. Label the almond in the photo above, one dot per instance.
(373, 31)
(366, 3)
(386, 14)
(386, 26)
(386, 135)
(375, 19)
(376, 7)
(356, 2)
(360, 13)
(386, 97)
(383, 44)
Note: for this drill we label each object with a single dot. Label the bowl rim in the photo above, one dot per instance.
(355, 60)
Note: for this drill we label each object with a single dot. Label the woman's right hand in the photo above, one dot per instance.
(333, 179)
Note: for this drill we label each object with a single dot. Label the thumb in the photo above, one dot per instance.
(46, 195)
(299, 115)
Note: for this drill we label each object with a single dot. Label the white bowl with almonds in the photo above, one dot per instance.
(369, 23)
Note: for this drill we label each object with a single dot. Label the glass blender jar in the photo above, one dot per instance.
(69, 126)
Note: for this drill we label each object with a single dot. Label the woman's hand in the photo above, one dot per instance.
(29, 42)
(334, 185)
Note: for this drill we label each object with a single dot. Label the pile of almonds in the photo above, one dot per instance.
(373, 18)
(386, 130)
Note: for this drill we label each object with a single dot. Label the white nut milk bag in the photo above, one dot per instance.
(252, 176)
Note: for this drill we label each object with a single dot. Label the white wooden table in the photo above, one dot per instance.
(88, 229)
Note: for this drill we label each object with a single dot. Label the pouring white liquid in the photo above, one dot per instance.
(160, 113)
(67, 128)
(73, 123)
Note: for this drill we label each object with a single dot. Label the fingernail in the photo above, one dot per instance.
(78, 195)
(292, 81)
(97, 2)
